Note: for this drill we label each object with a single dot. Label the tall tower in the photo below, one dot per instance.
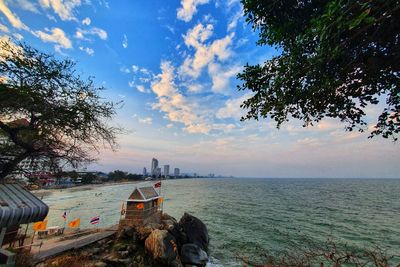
(154, 166)
(144, 171)
(166, 170)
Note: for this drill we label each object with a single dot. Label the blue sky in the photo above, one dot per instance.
(174, 65)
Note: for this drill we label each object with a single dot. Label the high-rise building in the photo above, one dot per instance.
(166, 170)
(154, 165)
(158, 172)
(144, 171)
(176, 172)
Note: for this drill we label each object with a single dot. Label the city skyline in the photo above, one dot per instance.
(174, 66)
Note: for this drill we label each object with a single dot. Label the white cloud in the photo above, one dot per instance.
(88, 50)
(204, 53)
(169, 125)
(226, 128)
(141, 88)
(55, 35)
(194, 87)
(147, 120)
(64, 9)
(18, 36)
(125, 41)
(135, 68)
(80, 34)
(189, 8)
(234, 20)
(27, 5)
(232, 108)
(221, 77)
(173, 103)
(125, 70)
(12, 18)
(4, 28)
(86, 21)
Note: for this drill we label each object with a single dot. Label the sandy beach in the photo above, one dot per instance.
(46, 192)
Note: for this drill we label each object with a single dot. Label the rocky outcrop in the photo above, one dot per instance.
(167, 243)
(192, 254)
(162, 246)
(196, 231)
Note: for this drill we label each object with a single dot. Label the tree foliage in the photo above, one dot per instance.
(337, 57)
(47, 110)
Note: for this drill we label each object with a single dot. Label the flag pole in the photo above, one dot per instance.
(162, 203)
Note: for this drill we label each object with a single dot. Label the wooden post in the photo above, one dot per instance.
(33, 236)
(2, 234)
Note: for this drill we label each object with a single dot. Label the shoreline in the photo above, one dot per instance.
(48, 191)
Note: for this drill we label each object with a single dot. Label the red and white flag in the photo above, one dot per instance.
(95, 220)
(157, 185)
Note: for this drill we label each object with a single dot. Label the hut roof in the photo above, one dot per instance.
(144, 193)
(19, 206)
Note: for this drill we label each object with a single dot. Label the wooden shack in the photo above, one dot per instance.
(142, 206)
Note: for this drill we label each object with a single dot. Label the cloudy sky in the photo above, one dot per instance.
(174, 64)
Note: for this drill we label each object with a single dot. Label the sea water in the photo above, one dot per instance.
(246, 216)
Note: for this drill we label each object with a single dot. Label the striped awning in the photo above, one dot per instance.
(19, 206)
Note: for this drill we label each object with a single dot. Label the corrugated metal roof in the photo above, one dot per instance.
(148, 192)
(144, 193)
(19, 206)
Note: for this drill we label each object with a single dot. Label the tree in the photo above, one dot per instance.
(337, 57)
(117, 175)
(48, 111)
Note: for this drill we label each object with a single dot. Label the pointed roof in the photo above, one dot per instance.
(144, 193)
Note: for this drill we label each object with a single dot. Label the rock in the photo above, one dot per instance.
(127, 233)
(120, 246)
(123, 254)
(142, 232)
(168, 224)
(177, 231)
(166, 216)
(132, 248)
(113, 261)
(95, 251)
(196, 231)
(162, 247)
(154, 226)
(194, 255)
(100, 264)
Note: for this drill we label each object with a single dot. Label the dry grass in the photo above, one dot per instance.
(70, 260)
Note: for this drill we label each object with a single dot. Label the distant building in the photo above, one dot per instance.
(154, 166)
(144, 171)
(176, 172)
(158, 172)
(166, 170)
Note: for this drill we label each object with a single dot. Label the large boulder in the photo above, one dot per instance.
(193, 255)
(162, 246)
(196, 231)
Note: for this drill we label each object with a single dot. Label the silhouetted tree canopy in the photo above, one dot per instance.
(48, 111)
(337, 57)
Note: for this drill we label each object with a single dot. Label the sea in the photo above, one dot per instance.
(249, 218)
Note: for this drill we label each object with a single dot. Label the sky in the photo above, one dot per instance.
(174, 66)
